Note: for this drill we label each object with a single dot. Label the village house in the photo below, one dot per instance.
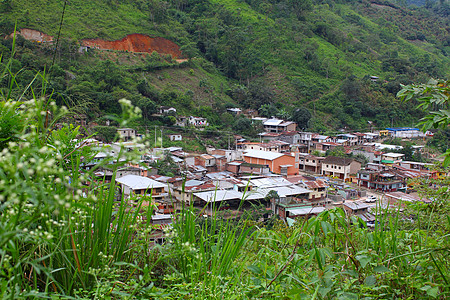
(105, 173)
(230, 155)
(278, 163)
(340, 167)
(126, 133)
(413, 165)
(361, 210)
(290, 137)
(175, 137)
(207, 161)
(304, 212)
(384, 181)
(250, 113)
(391, 158)
(324, 147)
(234, 111)
(139, 185)
(370, 137)
(272, 146)
(167, 110)
(197, 121)
(399, 198)
(277, 125)
(309, 163)
(361, 138)
(305, 138)
(221, 162)
(405, 132)
(184, 194)
(348, 139)
(317, 187)
(318, 138)
(241, 167)
(223, 199)
(289, 198)
(269, 136)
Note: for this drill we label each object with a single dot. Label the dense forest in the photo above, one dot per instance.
(308, 61)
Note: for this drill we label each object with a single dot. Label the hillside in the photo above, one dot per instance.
(272, 56)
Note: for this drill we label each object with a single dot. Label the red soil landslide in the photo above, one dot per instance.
(132, 43)
(137, 43)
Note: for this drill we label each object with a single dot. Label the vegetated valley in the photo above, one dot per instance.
(273, 56)
(67, 232)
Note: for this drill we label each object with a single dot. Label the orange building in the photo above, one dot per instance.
(278, 163)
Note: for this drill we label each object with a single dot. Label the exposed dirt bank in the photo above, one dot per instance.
(132, 43)
(137, 43)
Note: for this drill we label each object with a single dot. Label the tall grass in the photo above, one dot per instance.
(60, 231)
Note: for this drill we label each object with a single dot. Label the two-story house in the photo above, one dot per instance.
(310, 163)
(277, 125)
(340, 167)
(126, 133)
(278, 163)
(384, 181)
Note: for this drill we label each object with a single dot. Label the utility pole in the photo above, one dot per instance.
(155, 136)
(161, 138)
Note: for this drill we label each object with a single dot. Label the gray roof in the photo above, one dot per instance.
(273, 122)
(136, 182)
(340, 161)
(270, 182)
(306, 211)
(193, 182)
(161, 217)
(219, 195)
(263, 154)
(357, 205)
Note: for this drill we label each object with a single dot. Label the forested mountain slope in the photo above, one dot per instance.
(275, 56)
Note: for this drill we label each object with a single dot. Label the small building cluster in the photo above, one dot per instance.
(286, 172)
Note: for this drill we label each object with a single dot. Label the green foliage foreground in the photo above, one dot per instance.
(60, 236)
(64, 235)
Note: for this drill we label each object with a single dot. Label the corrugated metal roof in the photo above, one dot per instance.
(136, 182)
(273, 122)
(306, 211)
(263, 154)
(193, 182)
(219, 195)
(270, 182)
(356, 205)
(406, 197)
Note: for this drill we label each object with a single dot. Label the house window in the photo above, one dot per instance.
(339, 168)
(314, 161)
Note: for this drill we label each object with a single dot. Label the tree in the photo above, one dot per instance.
(147, 106)
(408, 151)
(301, 116)
(338, 151)
(106, 133)
(166, 166)
(434, 97)
(268, 110)
(243, 126)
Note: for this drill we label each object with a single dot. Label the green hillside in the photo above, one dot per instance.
(276, 54)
